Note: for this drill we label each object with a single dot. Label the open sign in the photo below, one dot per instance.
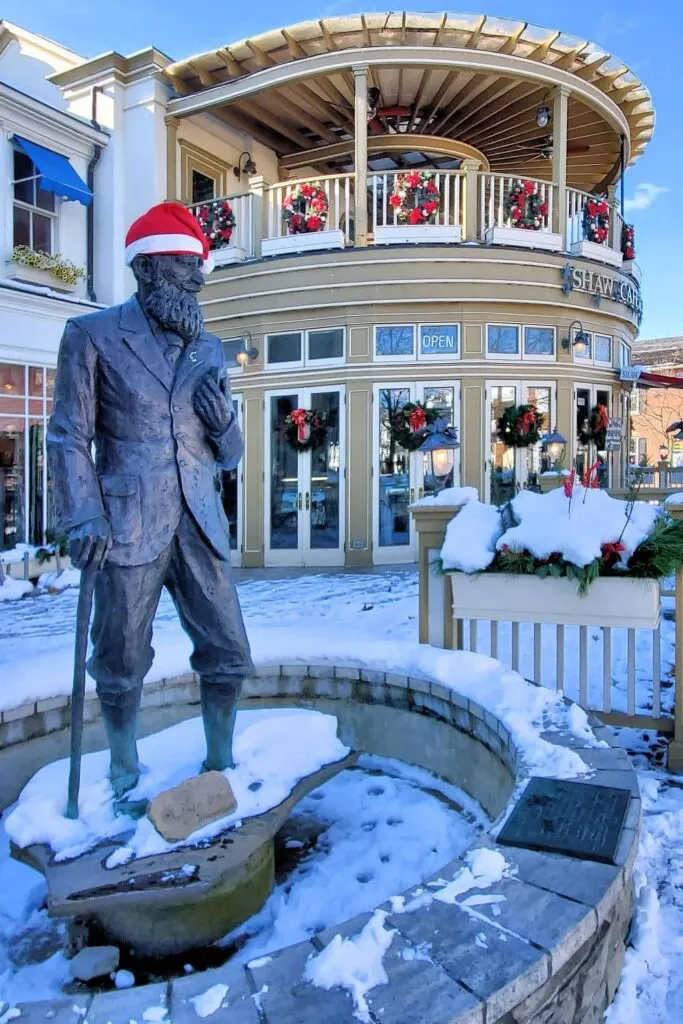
(441, 339)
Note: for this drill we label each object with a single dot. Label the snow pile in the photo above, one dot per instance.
(13, 590)
(16, 554)
(673, 500)
(262, 779)
(209, 1002)
(55, 582)
(471, 538)
(451, 496)
(484, 868)
(547, 524)
(355, 964)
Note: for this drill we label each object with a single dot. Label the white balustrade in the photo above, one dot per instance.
(452, 199)
(340, 197)
(243, 236)
(576, 200)
(494, 190)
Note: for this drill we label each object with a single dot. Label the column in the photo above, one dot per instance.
(614, 236)
(259, 228)
(360, 76)
(172, 191)
(560, 127)
(6, 176)
(471, 168)
(675, 756)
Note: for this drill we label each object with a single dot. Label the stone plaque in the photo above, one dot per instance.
(179, 812)
(573, 818)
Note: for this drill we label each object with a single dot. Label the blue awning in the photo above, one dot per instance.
(56, 173)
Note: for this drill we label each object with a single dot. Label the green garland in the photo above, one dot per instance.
(410, 423)
(520, 426)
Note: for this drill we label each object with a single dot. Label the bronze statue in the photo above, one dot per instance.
(147, 386)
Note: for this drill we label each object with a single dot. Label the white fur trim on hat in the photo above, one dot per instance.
(155, 245)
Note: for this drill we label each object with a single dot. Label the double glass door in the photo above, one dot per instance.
(401, 477)
(304, 490)
(509, 470)
(231, 495)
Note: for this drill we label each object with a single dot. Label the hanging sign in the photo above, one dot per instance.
(602, 285)
(613, 435)
(630, 373)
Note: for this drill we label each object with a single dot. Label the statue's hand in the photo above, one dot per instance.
(210, 405)
(90, 543)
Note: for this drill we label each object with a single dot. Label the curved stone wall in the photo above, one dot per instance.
(547, 950)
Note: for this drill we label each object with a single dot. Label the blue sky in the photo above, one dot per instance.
(648, 37)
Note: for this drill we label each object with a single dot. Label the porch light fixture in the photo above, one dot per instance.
(439, 444)
(663, 452)
(248, 353)
(581, 338)
(553, 444)
(249, 167)
(543, 116)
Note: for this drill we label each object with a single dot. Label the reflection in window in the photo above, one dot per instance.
(325, 480)
(394, 341)
(284, 348)
(203, 187)
(12, 481)
(502, 340)
(539, 341)
(502, 459)
(603, 348)
(538, 462)
(442, 462)
(326, 344)
(394, 472)
(284, 478)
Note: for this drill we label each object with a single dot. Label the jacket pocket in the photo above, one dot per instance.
(122, 503)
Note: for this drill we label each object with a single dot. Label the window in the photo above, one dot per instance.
(539, 341)
(34, 209)
(326, 344)
(502, 340)
(284, 348)
(395, 341)
(439, 340)
(624, 354)
(603, 349)
(203, 187)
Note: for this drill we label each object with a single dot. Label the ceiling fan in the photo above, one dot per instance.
(382, 120)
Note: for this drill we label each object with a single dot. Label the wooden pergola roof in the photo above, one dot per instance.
(475, 79)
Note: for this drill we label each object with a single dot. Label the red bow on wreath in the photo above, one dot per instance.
(299, 417)
(527, 421)
(417, 419)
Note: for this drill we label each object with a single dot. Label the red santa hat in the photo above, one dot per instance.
(167, 228)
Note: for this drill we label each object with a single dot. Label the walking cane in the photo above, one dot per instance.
(85, 595)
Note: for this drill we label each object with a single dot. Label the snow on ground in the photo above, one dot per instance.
(261, 781)
(14, 590)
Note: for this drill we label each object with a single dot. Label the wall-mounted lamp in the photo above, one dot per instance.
(663, 452)
(581, 340)
(248, 353)
(553, 444)
(544, 116)
(440, 441)
(248, 167)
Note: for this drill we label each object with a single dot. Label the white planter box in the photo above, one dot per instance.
(527, 239)
(229, 254)
(396, 234)
(34, 275)
(307, 242)
(599, 252)
(631, 268)
(506, 597)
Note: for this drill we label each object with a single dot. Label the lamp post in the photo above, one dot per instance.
(581, 340)
(440, 442)
(553, 445)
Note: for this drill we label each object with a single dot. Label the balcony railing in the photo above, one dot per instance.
(472, 206)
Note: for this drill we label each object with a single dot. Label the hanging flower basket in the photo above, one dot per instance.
(305, 208)
(520, 426)
(217, 222)
(305, 429)
(594, 428)
(596, 220)
(524, 207)
(410, 424)
(628, 242)
(415, 197)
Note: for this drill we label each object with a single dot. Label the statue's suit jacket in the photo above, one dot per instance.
(115, 389)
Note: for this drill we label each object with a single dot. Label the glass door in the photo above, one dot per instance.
(442, 471)
(592, 411)
(503, 464)
(393, 477)
(231, 495)
(304, 505)
(534, 460)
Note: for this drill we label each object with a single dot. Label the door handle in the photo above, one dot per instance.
(301, 501)
(412, 495)
(421, 493)
(308, 501)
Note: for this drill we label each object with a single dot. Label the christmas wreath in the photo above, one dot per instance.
(305, 429)
(415, 197)
(596, 220)
(595, 427)
(520, 426)
(217, 222)
(305, 208)
(524, 207)
(410, 423)
(628, 242)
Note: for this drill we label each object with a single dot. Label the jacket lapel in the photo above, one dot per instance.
(196, 357)
(138, 335)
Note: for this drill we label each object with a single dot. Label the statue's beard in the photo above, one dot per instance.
(175, 309)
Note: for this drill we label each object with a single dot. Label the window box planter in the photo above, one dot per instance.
(631, 268)
(396, 234)
(508, 597)
(526, 239)
(227, 255)
(305, 242)
(599, 252)
(35, 275)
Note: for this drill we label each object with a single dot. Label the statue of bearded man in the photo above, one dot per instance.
(146, 387)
